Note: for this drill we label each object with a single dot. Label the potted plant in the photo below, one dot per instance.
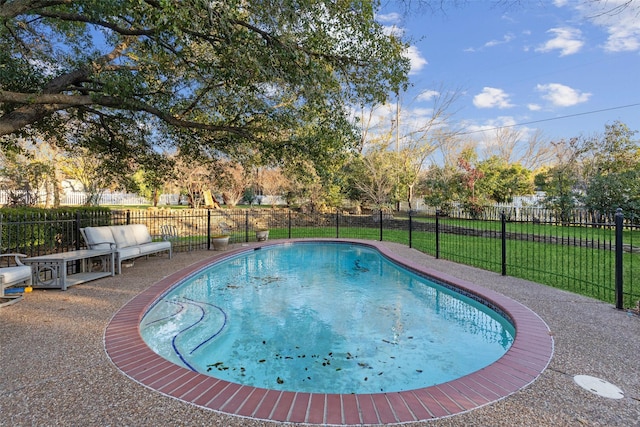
(262, 234)
(220, 242)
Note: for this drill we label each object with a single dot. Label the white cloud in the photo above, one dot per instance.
(491, 97)
(618, 18)
(492, 43)
(505, 39)
(389, 18)
(420, 114)
(391, 24)
(567, 40)
(508, 18)
(488, 127)
(392, 30)
(427, 95)
(562, 96)
(502, 121)
(624, 32)
(382, 118)
(534, 107)
(417, 60)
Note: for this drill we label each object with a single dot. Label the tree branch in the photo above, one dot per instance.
(37, 106)
(81, 18)
(18, 7)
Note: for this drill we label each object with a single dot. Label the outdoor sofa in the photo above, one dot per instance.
(129, 241)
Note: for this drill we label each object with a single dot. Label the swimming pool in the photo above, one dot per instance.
(523, 362)
(323, 317)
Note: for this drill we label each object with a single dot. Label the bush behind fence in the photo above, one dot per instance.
(598, 259)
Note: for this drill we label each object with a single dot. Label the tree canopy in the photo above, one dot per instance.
(231, 76)
(613, 173)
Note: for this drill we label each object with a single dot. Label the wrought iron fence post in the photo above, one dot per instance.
(503, 226)
(337, 223)
(619, 220)
(380, 216)
(437, 234)
(77, 230)
(208, 229)
(246, 226)
(289, 225)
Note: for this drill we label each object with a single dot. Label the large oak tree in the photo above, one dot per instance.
(224, 76)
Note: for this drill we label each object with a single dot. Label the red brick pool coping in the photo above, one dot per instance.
(527, 358)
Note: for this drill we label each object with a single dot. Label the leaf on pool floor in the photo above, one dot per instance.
(218, 365)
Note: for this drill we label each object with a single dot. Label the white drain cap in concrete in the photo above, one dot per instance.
(598, 386)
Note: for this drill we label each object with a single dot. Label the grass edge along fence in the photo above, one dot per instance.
(596, 259)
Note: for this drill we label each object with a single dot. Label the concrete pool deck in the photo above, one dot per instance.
(55, 370)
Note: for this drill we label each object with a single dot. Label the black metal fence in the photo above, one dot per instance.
(598, 259)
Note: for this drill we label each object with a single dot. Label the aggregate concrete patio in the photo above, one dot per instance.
(55, 370)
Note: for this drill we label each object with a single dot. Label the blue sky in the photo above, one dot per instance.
(529, 65)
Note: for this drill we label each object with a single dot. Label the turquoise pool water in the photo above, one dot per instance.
(323, 318)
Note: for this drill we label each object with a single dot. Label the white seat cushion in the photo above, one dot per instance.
(129, 252)
(140, 233)
(123, 236)
(99, 237)
(14, 274)
(154, 247)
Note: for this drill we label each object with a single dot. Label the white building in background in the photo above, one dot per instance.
(73, 195)
(531, 201)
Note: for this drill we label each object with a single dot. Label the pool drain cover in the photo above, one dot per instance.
(598, 386)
